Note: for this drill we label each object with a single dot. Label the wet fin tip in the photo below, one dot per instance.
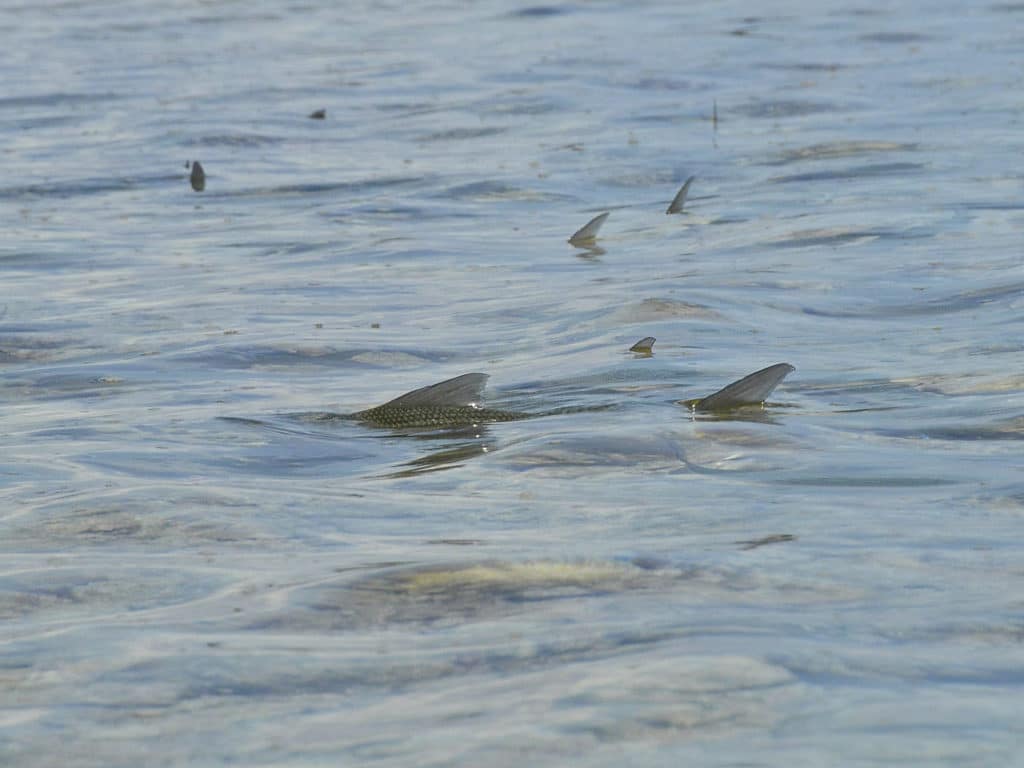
(586, 234)
(464, 390)
(644, 346)
(752, 389)
(197, 178)
(676, 206)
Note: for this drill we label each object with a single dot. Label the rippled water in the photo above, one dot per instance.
(194, 573)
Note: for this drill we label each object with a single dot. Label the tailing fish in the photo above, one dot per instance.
(457, 402)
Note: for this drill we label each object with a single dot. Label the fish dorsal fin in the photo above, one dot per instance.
(750, 390)
(465, 390)
(588, 232)
(676, 206)
(644, 345)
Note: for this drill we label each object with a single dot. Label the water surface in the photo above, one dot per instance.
(192, 573)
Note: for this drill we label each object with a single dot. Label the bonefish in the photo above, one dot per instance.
(450, 403)
(457, 402)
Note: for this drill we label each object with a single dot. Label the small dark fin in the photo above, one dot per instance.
(643, 346)
(676, 206)
(466, 389)
(588, 232)
(318, 114)
(198, 177)
(750, 390)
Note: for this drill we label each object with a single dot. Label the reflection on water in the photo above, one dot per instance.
(839, 149)
(446, 458)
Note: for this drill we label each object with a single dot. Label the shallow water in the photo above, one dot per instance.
(194, 573)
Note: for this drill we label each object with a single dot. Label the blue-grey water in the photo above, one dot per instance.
(193, 574)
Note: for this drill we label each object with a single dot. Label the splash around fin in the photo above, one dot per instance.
(752, 389)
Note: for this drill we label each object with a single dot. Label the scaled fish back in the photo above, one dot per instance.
(450, 403)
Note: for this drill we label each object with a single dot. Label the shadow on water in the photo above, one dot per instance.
(1001, 430)
(312, 188)
(862, 171)
(838, 149)
(957, 302)
(781, 108)
(753, 414)
(257, 356)
(296, 432)
(836, 237)
(87, 186)
(447, 458)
